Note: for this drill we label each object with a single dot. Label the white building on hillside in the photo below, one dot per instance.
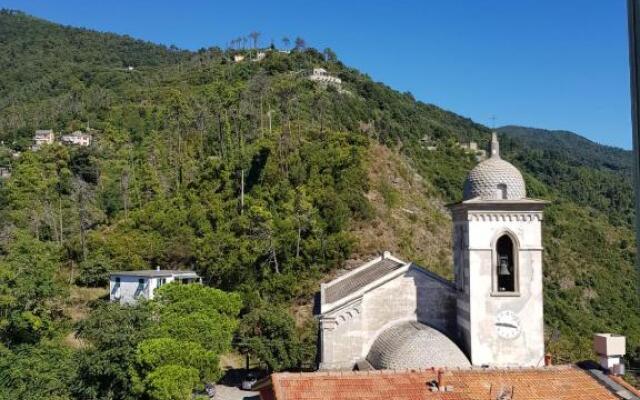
(393, 314)
(322, 76)
(42, 137)
(129, 286)
(78, 138)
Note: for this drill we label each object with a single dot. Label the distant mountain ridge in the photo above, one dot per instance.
(576, 148)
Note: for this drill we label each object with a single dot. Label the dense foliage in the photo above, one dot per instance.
(253, 176)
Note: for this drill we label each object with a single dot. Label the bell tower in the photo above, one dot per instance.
(497, 254)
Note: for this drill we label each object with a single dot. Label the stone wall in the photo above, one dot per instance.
(413, 295)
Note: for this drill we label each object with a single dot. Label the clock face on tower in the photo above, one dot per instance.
(508, 325)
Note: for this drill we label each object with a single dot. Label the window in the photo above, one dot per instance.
(116, 289)
(140, 288)
(505, 265)
(502, 191)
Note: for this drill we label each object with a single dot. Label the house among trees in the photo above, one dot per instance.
(42, 137)
(412, 334)
(5, 173)
(261, 55)
(472, 147)
(322, 76)
(78, 138)
(129, 286)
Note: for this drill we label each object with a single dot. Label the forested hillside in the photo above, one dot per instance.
(264, 183)
(592, 175)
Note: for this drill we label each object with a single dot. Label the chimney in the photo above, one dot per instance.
(610, 348)
(443, 381)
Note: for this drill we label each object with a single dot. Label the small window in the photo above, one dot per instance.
(505, 268)
(139, 289)
(502, 191)
(115, 292)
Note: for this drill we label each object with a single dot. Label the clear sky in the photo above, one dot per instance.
(555, 64)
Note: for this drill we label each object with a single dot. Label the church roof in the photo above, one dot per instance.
(411, 345)
(360, 278)
(548, 383)
(493, 176)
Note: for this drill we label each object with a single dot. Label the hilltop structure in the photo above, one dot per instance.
(323, 77)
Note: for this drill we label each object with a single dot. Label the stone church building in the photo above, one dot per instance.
(393, 314)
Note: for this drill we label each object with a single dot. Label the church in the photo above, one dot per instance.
(390, 329)
(392, 314)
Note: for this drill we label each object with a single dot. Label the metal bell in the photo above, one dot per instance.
(504, 267)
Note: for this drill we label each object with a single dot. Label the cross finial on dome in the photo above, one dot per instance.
(495, 145)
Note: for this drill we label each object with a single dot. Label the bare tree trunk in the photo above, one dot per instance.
(220, 137)
(298, 241)
(274, 257)
(81, 216)
(179, 177)
(241, 191)
(124, 182)
(261, 119)
(60, 218)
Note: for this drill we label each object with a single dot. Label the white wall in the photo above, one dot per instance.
(348, 332)
(479, 305)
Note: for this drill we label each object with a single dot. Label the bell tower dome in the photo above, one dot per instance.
(497, 251)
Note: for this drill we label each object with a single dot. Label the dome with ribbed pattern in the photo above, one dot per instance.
(495, 179)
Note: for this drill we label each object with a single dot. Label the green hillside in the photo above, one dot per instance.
(592, 175)
(265, 184)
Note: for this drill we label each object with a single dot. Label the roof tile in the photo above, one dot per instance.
(557, 383)
(360, 279)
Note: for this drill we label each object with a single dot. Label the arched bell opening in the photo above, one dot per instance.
(506, 266)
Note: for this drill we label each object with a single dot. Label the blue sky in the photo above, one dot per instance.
(541, 63)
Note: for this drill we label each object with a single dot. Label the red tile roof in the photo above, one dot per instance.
(549, 383)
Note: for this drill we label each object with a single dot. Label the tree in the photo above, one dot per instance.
(255, 36)
(329, 55)
(268, 332)
(112, 333)
(286, 42)
(300, 44)
(27, 285)
(94, 271)
(44, 371)
(198, 314)
(171, 382)
(153, 354)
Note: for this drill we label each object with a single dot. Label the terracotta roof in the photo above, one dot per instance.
(549, 383)
(360, 279)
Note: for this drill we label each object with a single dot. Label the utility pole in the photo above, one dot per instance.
(633, 10)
